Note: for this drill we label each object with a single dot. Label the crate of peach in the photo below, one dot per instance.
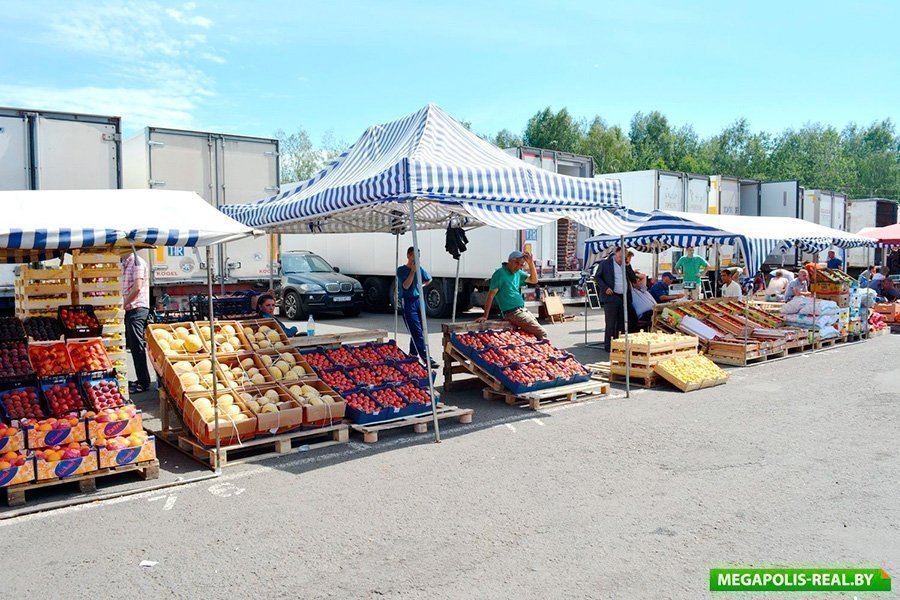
(417, 396)
(566, 370)
(366, 354)
(192, 375)
(390, 351)
(62, 395)
(22, 400)
(263, 334)
(228, 336)
(276, 410)
(136, 447)
(318, 359)
(363, 409)
(14, 361)
(88, 355)
(342, 357)
(50, 358)
(338, 380)
(234, 421)
(412, 369)
(11, 438)
(52, 431)
(101, 389)
(523, 377)
(113, 422)
(79, 321)
(15, 468)
(65, 460)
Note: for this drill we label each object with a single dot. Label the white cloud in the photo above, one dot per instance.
(146, 67)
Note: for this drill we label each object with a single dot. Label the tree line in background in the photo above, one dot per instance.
(861, 161)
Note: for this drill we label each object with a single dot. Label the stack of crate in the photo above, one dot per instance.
(40, 292)
(97, 281)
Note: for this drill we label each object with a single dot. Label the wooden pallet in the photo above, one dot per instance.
(333, 340)
(599, 370)
(643, 380)
(649, 359)
(455, 363)
(750, 360)
(87, 483)
(419, 423)
(557, 396)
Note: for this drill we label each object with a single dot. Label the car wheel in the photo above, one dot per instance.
(375, 292)
(293, 309)
(438, 302)
(352, 312)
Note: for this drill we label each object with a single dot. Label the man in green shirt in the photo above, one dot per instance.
(691, 269)
(506, 285)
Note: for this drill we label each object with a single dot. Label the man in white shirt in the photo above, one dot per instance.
(777, 287)
(731, 288)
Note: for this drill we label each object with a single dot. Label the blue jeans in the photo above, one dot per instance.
(412, 317)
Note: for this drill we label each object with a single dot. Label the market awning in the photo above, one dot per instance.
(885, 236)
(757, 236)
(445, 169)
(37, 225)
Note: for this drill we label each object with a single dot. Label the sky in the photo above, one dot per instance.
(252, 68)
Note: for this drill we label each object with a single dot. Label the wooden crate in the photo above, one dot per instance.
(455, 363)
(419, 423)
(685, 386)
(557, 396)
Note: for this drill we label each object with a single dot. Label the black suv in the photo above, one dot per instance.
(310, 285)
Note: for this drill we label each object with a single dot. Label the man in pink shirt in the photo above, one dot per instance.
(136, 290)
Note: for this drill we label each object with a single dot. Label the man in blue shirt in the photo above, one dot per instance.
(409, 298)
(833, 261)
(660, 289)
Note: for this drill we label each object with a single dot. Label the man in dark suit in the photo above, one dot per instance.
(612, 287)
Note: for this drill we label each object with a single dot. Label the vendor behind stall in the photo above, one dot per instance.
(799, 286)
(660, 289)
(265, 308)
(730, 286)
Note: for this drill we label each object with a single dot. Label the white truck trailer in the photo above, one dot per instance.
(369, 257)
(868, 212)
(222, 168)
(41, 150)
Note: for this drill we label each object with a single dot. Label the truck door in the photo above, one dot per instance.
(248, 171)
(15, 173)
(76, 155)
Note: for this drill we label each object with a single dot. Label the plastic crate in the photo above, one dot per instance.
(79, 331)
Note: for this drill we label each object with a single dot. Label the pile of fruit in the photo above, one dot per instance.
(53, 424)
(307, 394)
(652, 338)
(283, 366)
(50, 359)
(342, 357)
(89, 356)
(261, 403)
(527, 374)
(7, 431)
(134, 440)
(197, 375)
(43, 329)
(318, 360)
(390, 352)
(414, 393)
(262, 337)
(110, 415)
(66, 452)
(337, 380)
(14, 360)
(104, 394)
(388, 397)
(11, 459)
(363, 403)
(693, 369)
(11, 329)
(63, 399)
(366, 355)
(566, 368)
(78, 320)
(23, 403)
(226, 338)
(364, 376)
(177, 341)
(413, 369)
(229, 412)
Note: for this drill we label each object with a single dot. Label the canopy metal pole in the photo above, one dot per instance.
(272, 262)
(625, 315)
(396, 287)
(455, 291)
(212, 346)
(585, 313)
(815, 292)
(716, 275)
(746, 311)
(418, 280)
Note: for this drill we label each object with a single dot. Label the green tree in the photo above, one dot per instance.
(652, 141)
(299, 159)
(874, 153)
(813, 154)
(737, 151)
(608, 146)
(553, 131)
(507, 139)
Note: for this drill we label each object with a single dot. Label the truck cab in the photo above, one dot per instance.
(309, 285)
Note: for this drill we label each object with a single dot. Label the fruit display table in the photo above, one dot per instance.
(63, 417)
(514, 366)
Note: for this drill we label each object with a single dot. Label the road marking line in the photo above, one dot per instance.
(510, 427)
(170, 502)
(539, 422)
(225, 490)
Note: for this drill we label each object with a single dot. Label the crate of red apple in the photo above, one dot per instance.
(520, 361)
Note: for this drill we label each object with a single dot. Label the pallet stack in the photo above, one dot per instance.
(40, 292)
(97, 281)
(646, 350)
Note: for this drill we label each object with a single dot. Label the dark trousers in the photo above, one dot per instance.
(412, 317)
(135, 324)
(615, 319)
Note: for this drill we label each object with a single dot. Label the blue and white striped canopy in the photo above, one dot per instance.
(38, 225)
(446, 171)
(757, 237)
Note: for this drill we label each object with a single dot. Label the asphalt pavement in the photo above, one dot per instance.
(793, 462)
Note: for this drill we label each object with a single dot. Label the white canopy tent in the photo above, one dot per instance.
(422, 172)
(37, 225)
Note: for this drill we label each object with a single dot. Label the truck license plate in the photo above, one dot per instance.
(343, 298)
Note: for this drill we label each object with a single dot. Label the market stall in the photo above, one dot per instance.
(65, 418)
(756, 238)
(426, 171)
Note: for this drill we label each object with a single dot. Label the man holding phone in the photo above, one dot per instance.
(506, 286)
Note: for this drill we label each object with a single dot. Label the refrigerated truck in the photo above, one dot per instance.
(868, 212)
(369, 257)
(827, 208)
(44, 150)
(649, 190)
(223, 168)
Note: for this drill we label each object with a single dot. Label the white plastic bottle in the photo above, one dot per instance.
(310, 326)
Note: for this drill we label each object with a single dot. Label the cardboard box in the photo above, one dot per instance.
(288, 416)
(235, 333)
(298, 360)
(127, 456)
(157, 355)
(17, 475)
(114, 428)
(67, 467)
(229, 432)
(254, 325)
(55, 437)
(12, 443)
